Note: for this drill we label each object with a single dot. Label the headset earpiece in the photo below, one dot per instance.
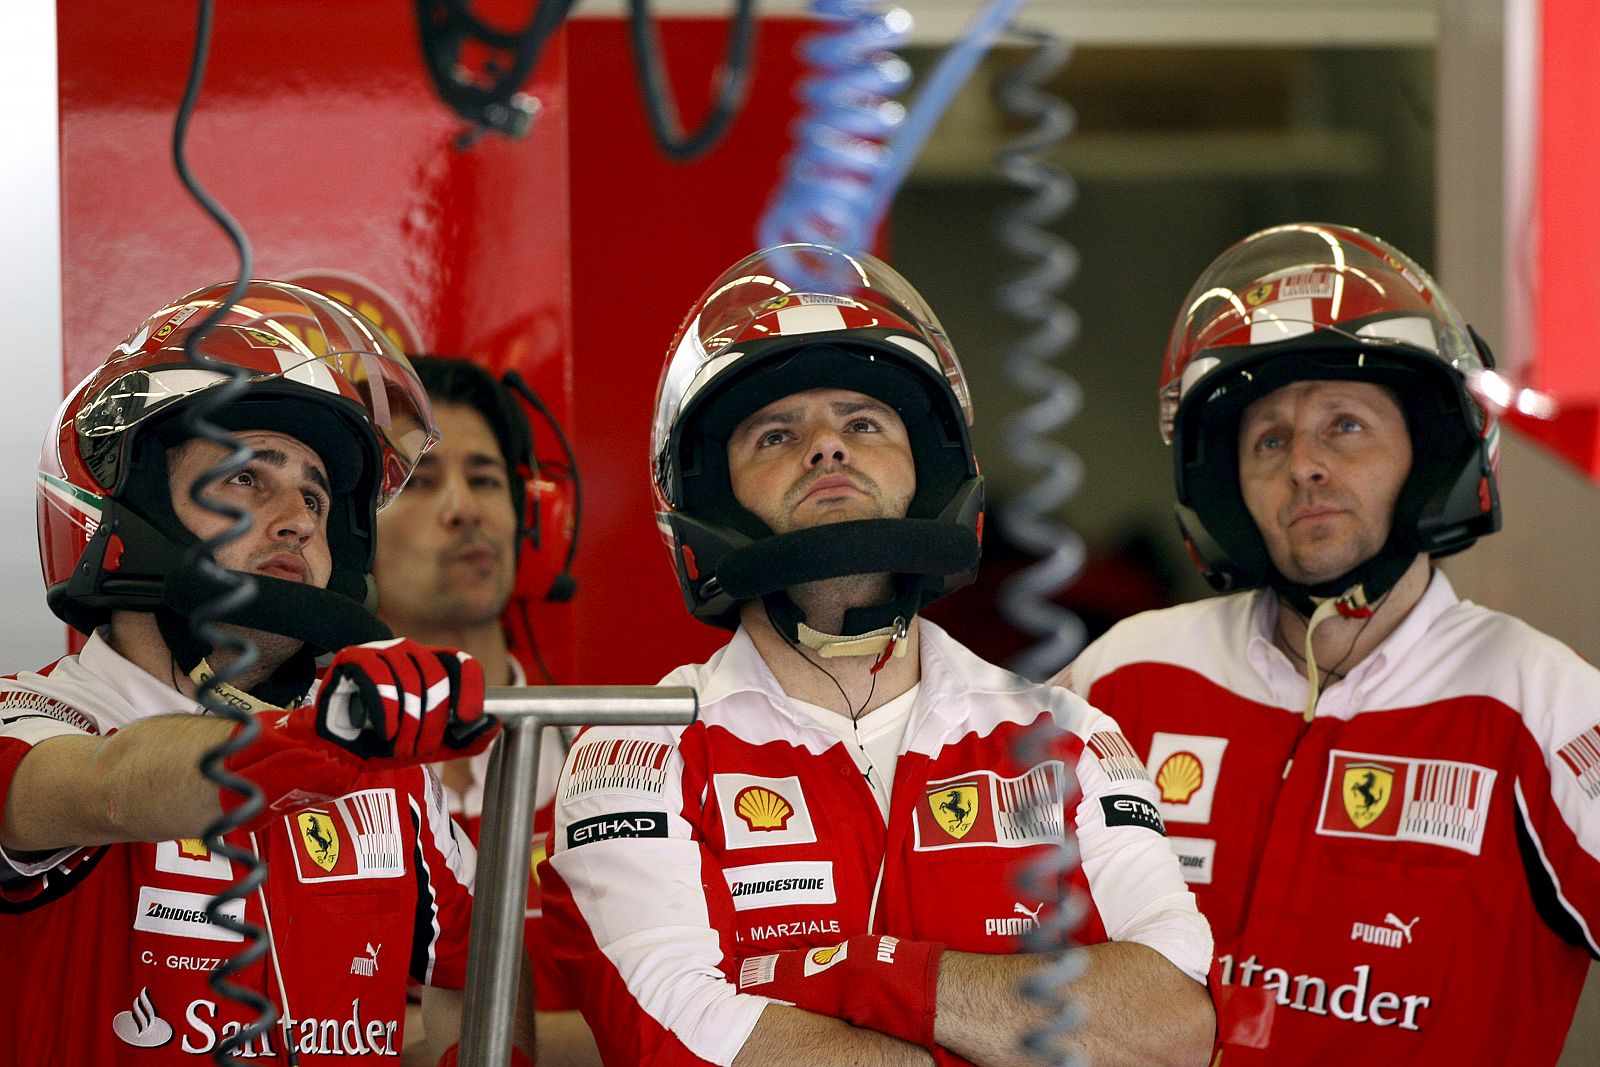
(551, 501)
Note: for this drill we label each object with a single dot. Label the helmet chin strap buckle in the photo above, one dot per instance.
(202, 673)
(1350, 604)
(883, 642)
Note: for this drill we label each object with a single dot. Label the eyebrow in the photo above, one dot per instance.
(278, 458)
(790, 416)
(473, 459)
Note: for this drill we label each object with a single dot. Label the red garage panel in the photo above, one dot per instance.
(319, 130)
(648, 236)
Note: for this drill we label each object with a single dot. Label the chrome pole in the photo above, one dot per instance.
(505, 842)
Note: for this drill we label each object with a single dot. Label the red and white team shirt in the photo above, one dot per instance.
(107, 950)
(679, 851)
(1413, 877)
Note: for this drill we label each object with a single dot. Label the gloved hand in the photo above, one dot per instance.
(879, 983)
(398, 703)
(384, 705)
(452, 1054)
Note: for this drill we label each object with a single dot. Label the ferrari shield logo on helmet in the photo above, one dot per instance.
(320, 837)
(955, 808)
(1366, 789)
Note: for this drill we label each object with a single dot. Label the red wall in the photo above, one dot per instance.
(1565, 296)
(648, 236)
(571, 255)
(319, 131)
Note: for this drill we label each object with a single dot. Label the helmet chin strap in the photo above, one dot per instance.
(323, 620)
(886, 641)
(1352, 595)
(872, 630)
(283, 688)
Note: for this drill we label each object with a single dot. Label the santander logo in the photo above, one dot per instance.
(142, 1027)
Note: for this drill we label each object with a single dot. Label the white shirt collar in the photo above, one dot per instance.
(948, 672)
(143, 694)
(1286, 680)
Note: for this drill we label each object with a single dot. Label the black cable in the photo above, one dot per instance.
(533, 641)
(855, 714)
(733, 82)
(490, 99)
(564, 585)
(238, 592)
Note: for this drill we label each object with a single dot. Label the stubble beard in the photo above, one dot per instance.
(272, 652)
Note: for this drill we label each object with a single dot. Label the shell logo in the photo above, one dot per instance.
(824, 956)
(1180, 775)
(762, 809)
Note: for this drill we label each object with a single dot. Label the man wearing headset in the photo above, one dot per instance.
(104, 876)
(856, 854)
(1386, 799)
(447, 560)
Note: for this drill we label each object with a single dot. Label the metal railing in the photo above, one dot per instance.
(505, 843)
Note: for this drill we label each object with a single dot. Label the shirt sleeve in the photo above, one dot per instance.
(632, 910)
(1134, 880)
(1556, 791)
(446, 863)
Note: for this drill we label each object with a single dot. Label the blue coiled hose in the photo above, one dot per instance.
(1033, 297)
(855, 143)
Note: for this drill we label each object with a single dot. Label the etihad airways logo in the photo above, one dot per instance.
(351, 1035)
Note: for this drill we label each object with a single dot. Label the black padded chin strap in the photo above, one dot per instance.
(1376, 576)
(911, 594)
(921, 547)
(324, 621)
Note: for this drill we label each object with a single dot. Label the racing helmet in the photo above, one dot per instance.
(1311, 301)
(109, 537)
(784, 320)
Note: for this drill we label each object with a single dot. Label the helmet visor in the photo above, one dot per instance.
(794, 290)
(1293, 281)
(276, 332)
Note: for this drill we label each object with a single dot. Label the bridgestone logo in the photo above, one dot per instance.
(778, 885)
(182, 915)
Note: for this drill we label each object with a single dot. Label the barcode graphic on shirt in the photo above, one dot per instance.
(619, 764)
(1029, 807)
(1376, 796)
(757, 970)
(1117, 757)
(1582, 757)
(374, 818)
(1445, 802)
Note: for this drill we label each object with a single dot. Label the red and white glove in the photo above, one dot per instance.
(879, 983)
(452, 1056)
(384, 705)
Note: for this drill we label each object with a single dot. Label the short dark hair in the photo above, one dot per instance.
(454, 380)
